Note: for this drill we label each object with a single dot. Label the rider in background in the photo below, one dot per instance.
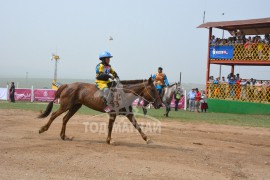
(103, 71)
(160, 80)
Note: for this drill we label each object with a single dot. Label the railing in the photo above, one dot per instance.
(237, 92)
(254, 52)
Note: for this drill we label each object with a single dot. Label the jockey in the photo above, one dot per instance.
(160, 80)
(103, 71)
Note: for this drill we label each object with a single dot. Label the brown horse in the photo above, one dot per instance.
(73, 96)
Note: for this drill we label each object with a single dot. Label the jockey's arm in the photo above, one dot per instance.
(166, 80)
(100, 75)
(103, 76)
(114, 73)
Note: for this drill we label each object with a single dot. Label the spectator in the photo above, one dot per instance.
(216, 81)
(260, 48)
(197, 100)
(204, 104)
(247, 46)
(259, 93)
(211, 79)
(238, 87)
(213, 40)
(237, 78)
(191, 97)
(232, 88)
(229, 76)
(216, 87)
(252, 81)
(210, 89)
(12, 92)
(243, 94)
(177, 96)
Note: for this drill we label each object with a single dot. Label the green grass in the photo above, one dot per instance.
(41, 106)
(184, 116)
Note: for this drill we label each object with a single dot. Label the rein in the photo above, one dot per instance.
(137, 94)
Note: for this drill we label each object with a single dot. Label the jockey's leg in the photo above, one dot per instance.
(106, 99)
(159, 92)
(103, 87)
(106, 95)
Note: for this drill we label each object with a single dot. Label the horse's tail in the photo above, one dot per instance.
(50, 105)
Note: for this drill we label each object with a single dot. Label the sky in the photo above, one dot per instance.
(146, 34)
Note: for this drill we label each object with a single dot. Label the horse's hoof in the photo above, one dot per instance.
(112, 142)
(67, 138)
(149, 141)
(41, 131)
(70, 138)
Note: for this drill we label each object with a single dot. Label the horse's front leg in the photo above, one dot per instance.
(167, 106)
(132, 119)
(145, 103)
(110, 127)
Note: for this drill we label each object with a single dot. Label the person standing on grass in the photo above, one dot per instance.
(12, 92)
(177, 96)
(204, 105)
(191, 98)
(197, 100)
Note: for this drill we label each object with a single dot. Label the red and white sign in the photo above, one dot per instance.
(44, 95)
(23, 94)
(181, 103)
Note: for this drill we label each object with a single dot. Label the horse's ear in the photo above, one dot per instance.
(150, 80)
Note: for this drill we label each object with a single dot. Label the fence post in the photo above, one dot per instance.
(7, 93)
(32, 94)
(185, 106)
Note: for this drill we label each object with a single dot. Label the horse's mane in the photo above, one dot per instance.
(126, 82)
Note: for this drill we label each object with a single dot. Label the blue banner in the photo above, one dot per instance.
(221, 52)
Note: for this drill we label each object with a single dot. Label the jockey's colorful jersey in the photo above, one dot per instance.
(160, 79)
(103, 72)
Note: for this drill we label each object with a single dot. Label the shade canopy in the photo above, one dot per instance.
(247, 27)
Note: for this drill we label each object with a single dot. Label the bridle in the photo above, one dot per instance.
(154, 99)
(138, 94)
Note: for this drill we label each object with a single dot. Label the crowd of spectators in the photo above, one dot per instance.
(240, 39)
(197, 100)
(236, 79)
(236, 87)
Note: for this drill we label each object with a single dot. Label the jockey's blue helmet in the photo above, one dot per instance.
(105, 54)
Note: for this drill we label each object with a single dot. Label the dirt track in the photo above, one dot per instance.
(181, 151)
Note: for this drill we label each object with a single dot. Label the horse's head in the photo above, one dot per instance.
(170, 91)
(151, 95)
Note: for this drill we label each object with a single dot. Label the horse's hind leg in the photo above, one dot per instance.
(132, 119)
(52, 118)
(66, 118)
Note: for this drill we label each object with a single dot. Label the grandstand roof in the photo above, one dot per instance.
(248, 27)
